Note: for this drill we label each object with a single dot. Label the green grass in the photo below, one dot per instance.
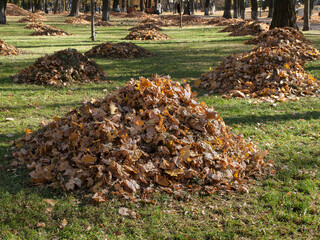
(283, 206)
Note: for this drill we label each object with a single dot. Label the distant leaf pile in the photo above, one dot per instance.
(76, 20)
(136, 15)
(160, 22)
(14, 10)
(264, 71)
(289, 38)
(47, 30)
(145, 26)
(7, 49)
(186, 20)
(221, 21)
(150, 134)
(118, 50)
(245, 28)
(33, 17)
(150, 34)
(101, 23)
(35, 25)
(62, 68)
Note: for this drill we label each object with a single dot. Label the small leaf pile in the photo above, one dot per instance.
(101, 23)
(147, 135)
(136, 15)
(150, 34)
(221, 21)
(35, 25)
(246, 28)
(118, 50)
(48, 30)
(7, 49)
(14, 10)
(145, 26)
(289, 38)
(34, 17)
(271, 72)
(62, 68)
(76, 20)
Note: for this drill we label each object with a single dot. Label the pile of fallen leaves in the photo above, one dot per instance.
(48, 30)
(76, 20)
(150, 34)
(101, 23)
(221, 21)
(160, 22)
(87, 17)
(62, 68)
(7, 49)
(145, 26)
(118, 50)
(14, 10)
(136, 15)
(289, 38)
(262, 72)
(147, 135)
(32, 18)
(35, 25)
(246, 28)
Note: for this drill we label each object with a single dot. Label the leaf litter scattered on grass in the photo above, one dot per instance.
(148, 136)
(61, 68)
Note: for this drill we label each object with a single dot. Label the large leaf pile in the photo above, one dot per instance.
(33, 17)
(118, 50)
(62, 68)
(150, 34)
(7, 49)
(48, 30)
(145, 26)
(147, 135)
(289, 38)
(14, 10)
(221, 21)
(271, 72)
(245, 28)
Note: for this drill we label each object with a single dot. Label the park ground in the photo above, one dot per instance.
(285, 205)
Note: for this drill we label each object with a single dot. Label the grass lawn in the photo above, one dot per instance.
(284, 206)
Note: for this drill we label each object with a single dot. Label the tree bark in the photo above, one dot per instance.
(306, 17)
(105, 10)
(235, 8)
(270, 14)
(254, 9)
(206, 7)
(180, 12)
(56, 6)
(115, 4)
(311, 5)
(192, 7)
(242, 9)
(93, 34)
(141, 5)
(284, 14)
(227, 9)
(3, 8)
(75, 5)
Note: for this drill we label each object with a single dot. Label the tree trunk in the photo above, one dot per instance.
(56, 6)
(271, 2)
(180, 12)
(93, 34)
(254, 9)
(75, 5)
(227, 9)
(3, 7)
(235, 8)
(38, 5)
(311, 5)
(306, 17)
(206, 7)
(284, 14)
(115, 5)
(141, 5)
(242, 9)
(192, 7)
(105, 10)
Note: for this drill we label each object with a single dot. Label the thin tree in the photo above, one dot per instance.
(227, 9)
(206, 7)
(141, 5)
(284, 14)
(254, 9)
(106, 10)
(242, 9)
(180, 12)
(235, 8)
(270, 13)
(75, 5)
(306, 17)
(56, 6)
(93, 34)
(3, 8)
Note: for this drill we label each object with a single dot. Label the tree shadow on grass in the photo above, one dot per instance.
(250, 119)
